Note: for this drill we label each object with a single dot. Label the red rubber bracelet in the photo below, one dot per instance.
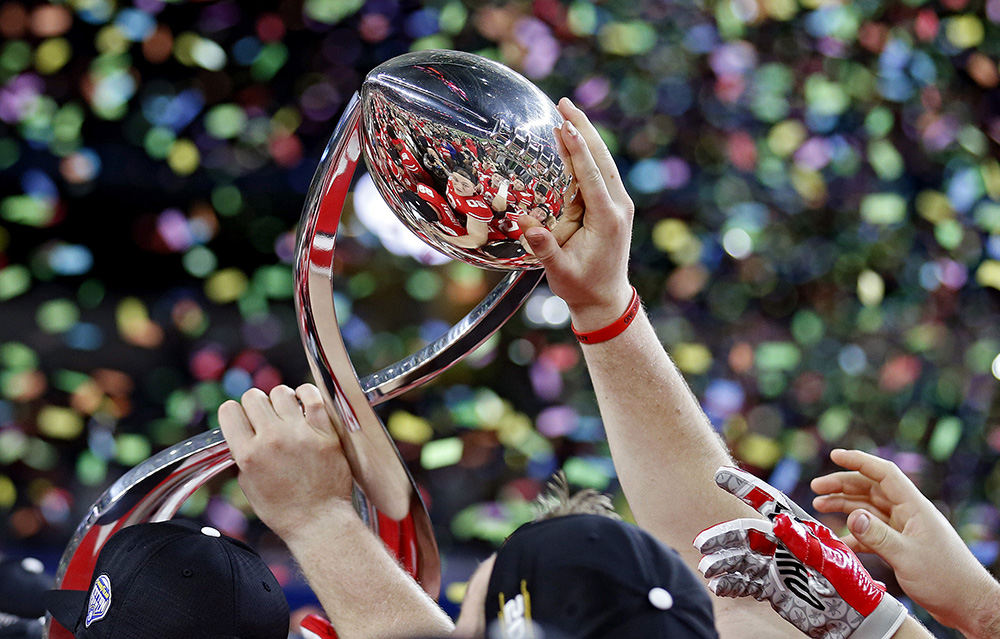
(615, 328)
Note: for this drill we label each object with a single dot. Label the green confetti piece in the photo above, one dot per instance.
(945, 438)
(181, 406)
(131, 448)
(913, 426)
(771, 384)
(436, 41)
(40, 455)
(777, 356)
(452, 17)
(272, 57)
(883, 208)
(15, 56)
(91, 470)
(158, 141)
(9, 153)
(200, 261)
(68, 381)
(27, 210)
(14, 280)
(57, 316)
(362, 285)
(13, 445)
(329, 12)
(833, 423)
(423, 285)
(276, 281)
(824, 96)
(586, 473)
(807, 327)
(949, 234)
(8, 492)
(227, 199)
(582, 18)
(225, 121)
(196, 504)
(879, 122)
(441, 453)
(885, 159)
(987, 217)
(210, 395)
(17, 357)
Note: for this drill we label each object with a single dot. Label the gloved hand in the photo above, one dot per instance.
(811, 578)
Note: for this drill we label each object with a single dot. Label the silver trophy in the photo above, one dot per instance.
(459, 147)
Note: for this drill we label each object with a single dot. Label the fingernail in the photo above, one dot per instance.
(861, 523)
(570, 128)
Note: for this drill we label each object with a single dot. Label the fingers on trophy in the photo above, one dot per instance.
(460, 147)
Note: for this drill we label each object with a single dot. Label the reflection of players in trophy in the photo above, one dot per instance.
(467, 188)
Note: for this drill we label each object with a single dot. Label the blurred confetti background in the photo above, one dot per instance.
(817, 242)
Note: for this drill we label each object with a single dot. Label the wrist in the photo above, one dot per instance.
(983, 618)
(594, 315)
(335, 515)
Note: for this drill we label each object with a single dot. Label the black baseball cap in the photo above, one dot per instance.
(174, 580)
(591, 576)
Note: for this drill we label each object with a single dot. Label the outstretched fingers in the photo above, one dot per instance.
(588, 176)
(893, 482)
(845, 481)
(599, 150)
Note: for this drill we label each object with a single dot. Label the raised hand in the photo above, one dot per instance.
(290, 460)
(587, 266)
(811, 578)
(890, 517)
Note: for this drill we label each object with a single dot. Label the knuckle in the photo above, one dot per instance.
(280, 390)
(252, 394)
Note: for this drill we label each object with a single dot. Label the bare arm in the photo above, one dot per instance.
(663, 446)
(477, 234)
(911, 629)
(294, 474)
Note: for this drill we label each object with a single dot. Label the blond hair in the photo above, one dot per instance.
(557, 501)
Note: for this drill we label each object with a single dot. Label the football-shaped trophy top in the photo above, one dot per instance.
(459, 147)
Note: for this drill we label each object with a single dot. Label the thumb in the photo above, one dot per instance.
(877, 535)
(543, 244)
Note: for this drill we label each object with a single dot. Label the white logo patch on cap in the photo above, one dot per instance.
(100, 600)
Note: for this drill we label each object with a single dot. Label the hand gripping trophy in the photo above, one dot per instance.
(459, 147)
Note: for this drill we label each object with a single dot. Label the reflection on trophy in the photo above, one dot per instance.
(460, 147)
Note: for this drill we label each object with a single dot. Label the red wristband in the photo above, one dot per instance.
(615, 328)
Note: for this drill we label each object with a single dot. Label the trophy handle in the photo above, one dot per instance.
(385, 494)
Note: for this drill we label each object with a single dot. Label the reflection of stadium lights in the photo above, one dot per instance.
(377, 217)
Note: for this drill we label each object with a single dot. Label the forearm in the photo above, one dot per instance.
(911, 629)
(665, 451)
(363, 590)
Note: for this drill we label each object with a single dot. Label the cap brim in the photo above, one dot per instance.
(65, 606)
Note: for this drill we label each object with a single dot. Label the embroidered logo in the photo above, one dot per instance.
(100, 600)
(515, 615)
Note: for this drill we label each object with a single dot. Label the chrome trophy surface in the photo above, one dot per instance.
(460, 147)
(445, 135)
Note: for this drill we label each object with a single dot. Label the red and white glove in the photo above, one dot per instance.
(810, 577)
